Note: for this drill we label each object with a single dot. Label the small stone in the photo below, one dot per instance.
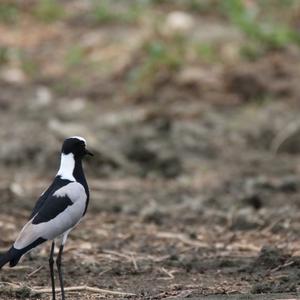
(43, 97)
(13, 75)
(178, 22)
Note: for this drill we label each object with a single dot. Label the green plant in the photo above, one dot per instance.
(158, 56)
(161, 53)
(271, 35)
(105, 11)
(48, 10)
(74, 56)
(200, 6)
(251, 52)
(3, 55)
(8, 13)
(206, 52)
(28, 64)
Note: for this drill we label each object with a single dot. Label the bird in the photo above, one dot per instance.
(57, 211)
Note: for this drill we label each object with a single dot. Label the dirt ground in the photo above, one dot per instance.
(195, 182)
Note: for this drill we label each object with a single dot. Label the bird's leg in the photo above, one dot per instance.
(51, 262)
(60, 275)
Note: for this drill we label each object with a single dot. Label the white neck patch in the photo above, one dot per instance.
(66, 168)
(78, 138)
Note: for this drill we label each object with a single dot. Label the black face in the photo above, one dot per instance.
(75, 146)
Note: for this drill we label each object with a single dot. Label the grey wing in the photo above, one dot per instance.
(60, 212)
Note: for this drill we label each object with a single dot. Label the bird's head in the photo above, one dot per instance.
(75, 145)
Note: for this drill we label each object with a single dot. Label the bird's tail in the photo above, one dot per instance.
(4, 259)
(12, 256)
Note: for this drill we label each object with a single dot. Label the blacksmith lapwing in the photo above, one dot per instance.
(57, 211)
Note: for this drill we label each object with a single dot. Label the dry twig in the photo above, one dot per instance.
(244, 247)
(84, 288)
(287, 264)
(182, 238)
(80, 288)
(169, 273)
(35, 271)
(129, 258)
(134, 262)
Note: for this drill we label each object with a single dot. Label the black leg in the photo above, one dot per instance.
(60, 275)
(51, 262)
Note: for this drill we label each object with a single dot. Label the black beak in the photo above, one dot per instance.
(88, 152)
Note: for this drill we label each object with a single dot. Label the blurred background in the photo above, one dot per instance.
(192, 109)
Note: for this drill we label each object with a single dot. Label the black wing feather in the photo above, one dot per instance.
(51, 207)
(57, 184)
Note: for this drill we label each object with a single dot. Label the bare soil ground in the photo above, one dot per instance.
(213, 212)
(194, 186)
